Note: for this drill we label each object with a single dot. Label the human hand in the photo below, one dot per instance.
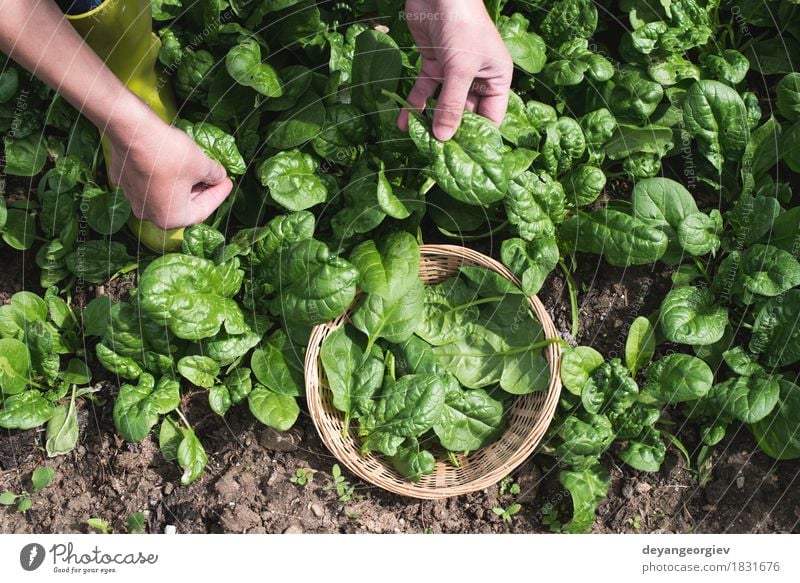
(168, 179)
(462, 51)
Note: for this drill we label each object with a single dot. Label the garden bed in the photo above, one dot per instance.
(247, 487)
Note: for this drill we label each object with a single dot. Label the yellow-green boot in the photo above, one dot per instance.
(121, 33)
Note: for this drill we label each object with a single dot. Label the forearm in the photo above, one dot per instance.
(37, 36)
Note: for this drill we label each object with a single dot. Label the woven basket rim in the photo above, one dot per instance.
(372, 468)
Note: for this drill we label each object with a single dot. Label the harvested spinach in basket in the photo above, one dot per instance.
(427, 370)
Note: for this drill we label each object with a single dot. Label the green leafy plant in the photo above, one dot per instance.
(508, 486)
(135, 523)
(430, 359)
(40, 479)
(345, 491)
(507, 514)
(612, 102)
(100, 525)
(302, 476)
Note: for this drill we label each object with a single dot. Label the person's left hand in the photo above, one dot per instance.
(462, 51)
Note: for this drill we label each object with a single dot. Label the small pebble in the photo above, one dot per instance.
(740, 482)
(280, 440)
(643, 487)
(627, 491)
(294, 529)
(168, 488)
(170, 529)
(317, 510)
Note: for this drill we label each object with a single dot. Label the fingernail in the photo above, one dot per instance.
(444, 133)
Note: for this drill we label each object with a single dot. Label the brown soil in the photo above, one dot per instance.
(247, 487)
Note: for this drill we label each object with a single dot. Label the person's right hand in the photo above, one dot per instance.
(463, 52)
(168, 179)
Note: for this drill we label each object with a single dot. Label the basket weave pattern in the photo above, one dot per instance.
(528, 418)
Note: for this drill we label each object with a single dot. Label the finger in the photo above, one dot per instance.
(423, 89)
(452, 102)
(208, 200)
(473, 101)
(494, 107)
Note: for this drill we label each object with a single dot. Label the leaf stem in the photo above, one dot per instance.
(573, 297)
(702, 269)
(485, 235)
(183, 418)
(400, 101)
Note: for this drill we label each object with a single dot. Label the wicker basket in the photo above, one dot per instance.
(528, 419)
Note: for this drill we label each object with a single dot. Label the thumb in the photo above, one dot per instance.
(206, 200)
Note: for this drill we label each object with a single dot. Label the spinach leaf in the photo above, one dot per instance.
(776, 336)
(98, 261)
(640, 345)
(609, 389)
(191, 456)
(717, 118)
(138, 407)
(15, 364)
(577, 364)
(188, 294)
(664, 204)
(646, 453)
(788, 96)
(314, 286)
(470, 420)
(278, 365)
(273, 409)
(123, 366)
(627, 140)
(531, 261)
(677, 378)
(777, 433)
(769, 271)
(354, 378)
(216, 143)
(24, 156)
(534, 203)
(377, 66)
(411, 462)
(621, 238)
(199, 370)
(61, 436)
(293, 180)
(470, 167)
(689, 315)
(584, 184)
(498, 351)
(527, 49)
(243, 63)
(106, 212)
(748, 398)
(297, 126)
(25, 410)
(393, 318)
(698, 233)
(388, 267)
(587, 487)
(344, 135)
(407, 407)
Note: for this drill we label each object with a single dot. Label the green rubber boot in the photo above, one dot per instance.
(121, 33)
